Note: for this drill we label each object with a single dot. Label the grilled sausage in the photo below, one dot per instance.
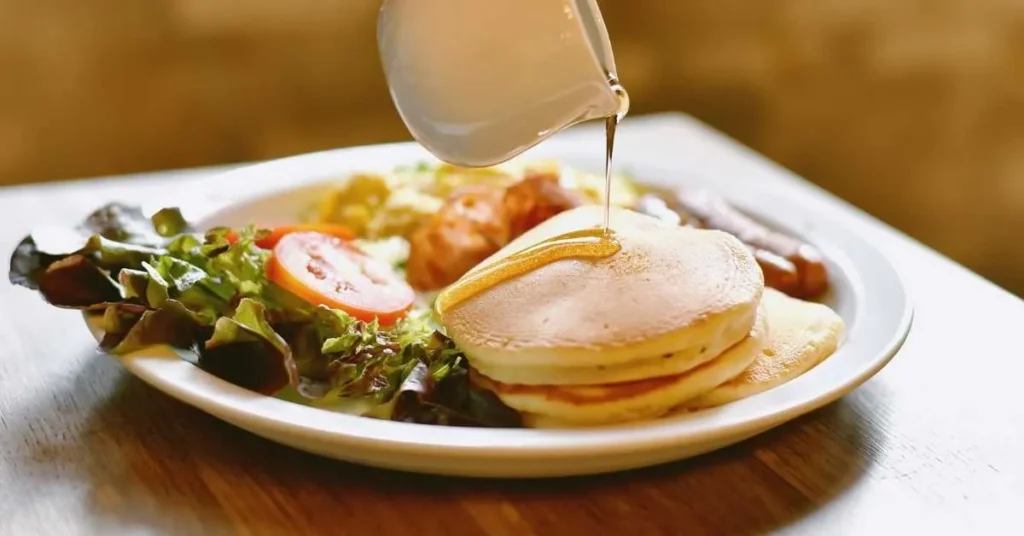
(789, 264)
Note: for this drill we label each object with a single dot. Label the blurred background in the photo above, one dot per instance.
(910, 109)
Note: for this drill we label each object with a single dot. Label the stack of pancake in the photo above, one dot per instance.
(679, 317)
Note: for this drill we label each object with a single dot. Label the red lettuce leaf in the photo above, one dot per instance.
(246, 351)
(130, 327)
(76, 282)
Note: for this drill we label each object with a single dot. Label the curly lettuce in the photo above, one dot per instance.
(155, 280)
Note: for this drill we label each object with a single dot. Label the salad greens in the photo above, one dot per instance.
(156, 280)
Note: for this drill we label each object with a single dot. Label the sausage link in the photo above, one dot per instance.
(789, 264)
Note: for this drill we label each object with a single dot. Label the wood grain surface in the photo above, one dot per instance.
(931, 445)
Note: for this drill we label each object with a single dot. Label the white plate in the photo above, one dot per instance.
(867, 293)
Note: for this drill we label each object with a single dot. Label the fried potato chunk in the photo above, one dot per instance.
(477, 221)
(536, 198)
(469, 228)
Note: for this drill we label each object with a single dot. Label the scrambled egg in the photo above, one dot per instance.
(377, 206)
(357, 203)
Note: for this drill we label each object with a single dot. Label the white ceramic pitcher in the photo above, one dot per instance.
(478, 82)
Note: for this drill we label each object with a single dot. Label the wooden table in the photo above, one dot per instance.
(935, 442)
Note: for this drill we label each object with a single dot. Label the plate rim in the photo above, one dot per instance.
(399, 437)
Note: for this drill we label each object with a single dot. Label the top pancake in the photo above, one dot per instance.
(669, 288)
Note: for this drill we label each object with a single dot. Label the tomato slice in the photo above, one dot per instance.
(271, 240)
(331, 229)
(325, 270)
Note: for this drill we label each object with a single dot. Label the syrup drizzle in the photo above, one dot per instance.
(584, 243)
(609, 135)
(592, 243)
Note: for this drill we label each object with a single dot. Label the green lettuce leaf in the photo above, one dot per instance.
(113, 255)
(169, 222)
(113, 237)
(127, 224)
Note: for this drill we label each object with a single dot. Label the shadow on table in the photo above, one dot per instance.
(149, 460)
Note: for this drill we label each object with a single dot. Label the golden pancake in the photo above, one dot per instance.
(669, 290)
(650, 367)
(800, 335)
(629, 401)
